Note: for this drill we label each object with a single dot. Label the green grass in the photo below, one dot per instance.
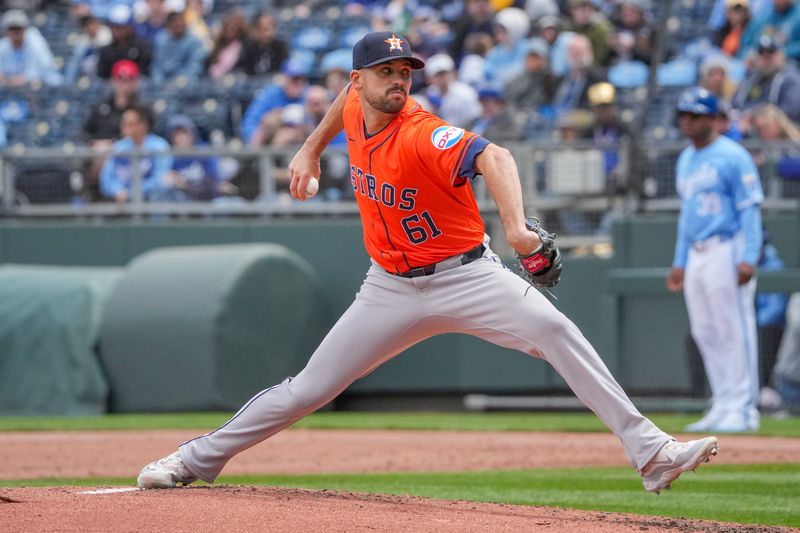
(671, 423)
(750, 494)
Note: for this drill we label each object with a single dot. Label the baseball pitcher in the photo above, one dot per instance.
(432, 272)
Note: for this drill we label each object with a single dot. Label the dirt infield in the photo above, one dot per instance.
(26, 455)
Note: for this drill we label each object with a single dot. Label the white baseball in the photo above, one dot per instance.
(312, 187)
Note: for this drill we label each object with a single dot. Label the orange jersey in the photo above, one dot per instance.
(411, 182)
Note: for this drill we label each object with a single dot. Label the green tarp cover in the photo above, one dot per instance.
(194, 328)
(49, 327)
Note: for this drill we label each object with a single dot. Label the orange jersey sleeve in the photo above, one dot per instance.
(411, 184)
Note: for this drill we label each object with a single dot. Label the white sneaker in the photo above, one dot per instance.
(165, 473)
(753, 420)
(675, 458)
(734, 422)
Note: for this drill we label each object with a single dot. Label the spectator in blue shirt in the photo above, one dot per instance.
(262, 117)
(3, 138)
(191, 177)
(177, 52)
(25, 56)
(118, 173)
(506, 59)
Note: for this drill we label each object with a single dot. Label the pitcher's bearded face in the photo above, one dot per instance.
(386, 86)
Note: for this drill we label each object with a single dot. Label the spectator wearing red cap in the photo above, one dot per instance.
(124, 43)
(102, 125)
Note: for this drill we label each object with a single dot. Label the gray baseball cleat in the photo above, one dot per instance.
(675, 458)
(165, 473)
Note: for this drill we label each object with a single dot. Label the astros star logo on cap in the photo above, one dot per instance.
(394, 43)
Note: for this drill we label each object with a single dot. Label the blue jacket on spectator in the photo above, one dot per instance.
(3, 138)
(269, 98)
(117, 172)
(176, 57)
(786, 24)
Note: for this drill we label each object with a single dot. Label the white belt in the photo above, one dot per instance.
(712, 241)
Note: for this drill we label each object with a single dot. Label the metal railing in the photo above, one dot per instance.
(558, 179)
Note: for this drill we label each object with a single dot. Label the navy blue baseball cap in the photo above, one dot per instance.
(382, 46)
(699, 101)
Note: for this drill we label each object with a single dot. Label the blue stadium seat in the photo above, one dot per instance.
(340, 58)
(680, 72)
(350, 36)
(315, 38)
(628, 75)
(305, 57)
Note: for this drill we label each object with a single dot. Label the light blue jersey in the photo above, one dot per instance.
(117, 172)
(720, 192)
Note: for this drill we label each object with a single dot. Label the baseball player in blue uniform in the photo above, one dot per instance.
(716, 253)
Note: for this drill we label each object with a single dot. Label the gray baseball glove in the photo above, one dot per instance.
(542, 268)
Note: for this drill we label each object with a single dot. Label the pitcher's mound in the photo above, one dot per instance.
(245, 508)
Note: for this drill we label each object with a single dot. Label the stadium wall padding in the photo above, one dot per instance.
(50, 320)
(192, 328)
(621, 303)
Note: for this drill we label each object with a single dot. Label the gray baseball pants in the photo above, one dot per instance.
(392, 313)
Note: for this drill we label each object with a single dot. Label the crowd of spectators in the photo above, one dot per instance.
(513, 71)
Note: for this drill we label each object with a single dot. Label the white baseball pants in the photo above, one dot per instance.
(722, 318)
(392, 313)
